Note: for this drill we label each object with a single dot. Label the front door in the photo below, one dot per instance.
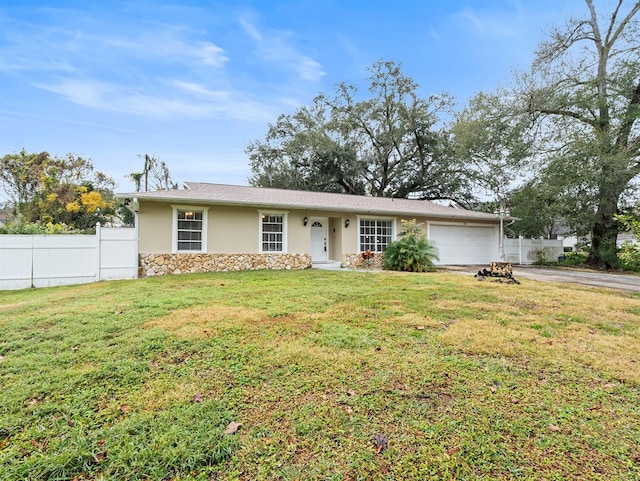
(319, 231)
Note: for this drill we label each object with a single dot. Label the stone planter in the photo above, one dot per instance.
(356, 261)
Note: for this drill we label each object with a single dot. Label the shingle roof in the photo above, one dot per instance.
(220, 194)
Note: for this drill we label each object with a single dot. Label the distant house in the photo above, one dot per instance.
(626, 237)
(6, 215)
(208, 227)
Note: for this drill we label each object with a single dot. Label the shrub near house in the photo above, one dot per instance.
(412, 252)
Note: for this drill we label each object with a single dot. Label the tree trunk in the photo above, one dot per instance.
(604, 236)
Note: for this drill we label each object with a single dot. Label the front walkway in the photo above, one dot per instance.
(328, 266)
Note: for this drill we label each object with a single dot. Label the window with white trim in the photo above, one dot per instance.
(272, 232)
(189, 229)
(375, 234)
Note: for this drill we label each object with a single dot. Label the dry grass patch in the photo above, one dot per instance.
(616, 355)
(15, 305)
(595, 327)
(418, 321)
(479, 336)
(203, 321)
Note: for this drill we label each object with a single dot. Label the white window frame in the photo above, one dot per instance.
(285, 216)
(393, 221)
(174, 228)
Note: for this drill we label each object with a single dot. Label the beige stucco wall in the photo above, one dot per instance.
(336, 226)
(233, 230)
(299, 239)
(229, 229)
(349, 234)
(155, 227)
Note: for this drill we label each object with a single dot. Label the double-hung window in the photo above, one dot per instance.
(375, 234)
(189, 229)
(273, 232)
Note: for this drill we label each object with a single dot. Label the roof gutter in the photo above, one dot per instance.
(351, 210)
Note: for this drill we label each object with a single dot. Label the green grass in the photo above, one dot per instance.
(137, 380)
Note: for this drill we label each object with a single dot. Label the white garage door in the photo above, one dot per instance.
(465, 244)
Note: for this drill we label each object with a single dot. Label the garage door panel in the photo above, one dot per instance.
(464, 244)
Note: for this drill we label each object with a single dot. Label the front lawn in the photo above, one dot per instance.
(332, 375)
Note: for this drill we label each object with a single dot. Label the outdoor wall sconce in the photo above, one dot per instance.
(305, 221)
(346, 223)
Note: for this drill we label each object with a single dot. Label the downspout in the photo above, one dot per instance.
(136, 225)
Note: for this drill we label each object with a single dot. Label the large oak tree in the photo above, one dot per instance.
(581, 103)
(391, 143)
(584, 93)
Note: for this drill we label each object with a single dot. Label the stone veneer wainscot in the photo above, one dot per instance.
(162, 264)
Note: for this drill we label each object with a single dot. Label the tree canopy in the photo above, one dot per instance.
(492, 139)
(392, 144)
(56, 190)
(540, 210)
(577, 113)
(584, 94)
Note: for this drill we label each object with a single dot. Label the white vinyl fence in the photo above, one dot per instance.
(529, 251)
(55, 260)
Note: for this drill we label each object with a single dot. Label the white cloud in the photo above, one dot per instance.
(87, 94)
(12, 114)
(486, 24)
(250, 29)
(9, 62)
(77, 47)
(159, 67)
(162, 104)
(277, 47)
(169, 45)
(210, 54)
(32, 51)
(198, 89)
(309, 69)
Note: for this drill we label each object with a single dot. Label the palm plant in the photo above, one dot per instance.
(412, 252)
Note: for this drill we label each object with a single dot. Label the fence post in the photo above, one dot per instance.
(98, 247)
(520, 250)
(31, 237)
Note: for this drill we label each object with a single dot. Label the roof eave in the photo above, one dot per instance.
(269, 205)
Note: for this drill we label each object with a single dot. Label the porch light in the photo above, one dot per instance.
(305, 221)
(346, 223)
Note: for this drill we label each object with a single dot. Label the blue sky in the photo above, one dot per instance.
(193, 82)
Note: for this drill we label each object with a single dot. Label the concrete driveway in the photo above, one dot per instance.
(587, 278)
